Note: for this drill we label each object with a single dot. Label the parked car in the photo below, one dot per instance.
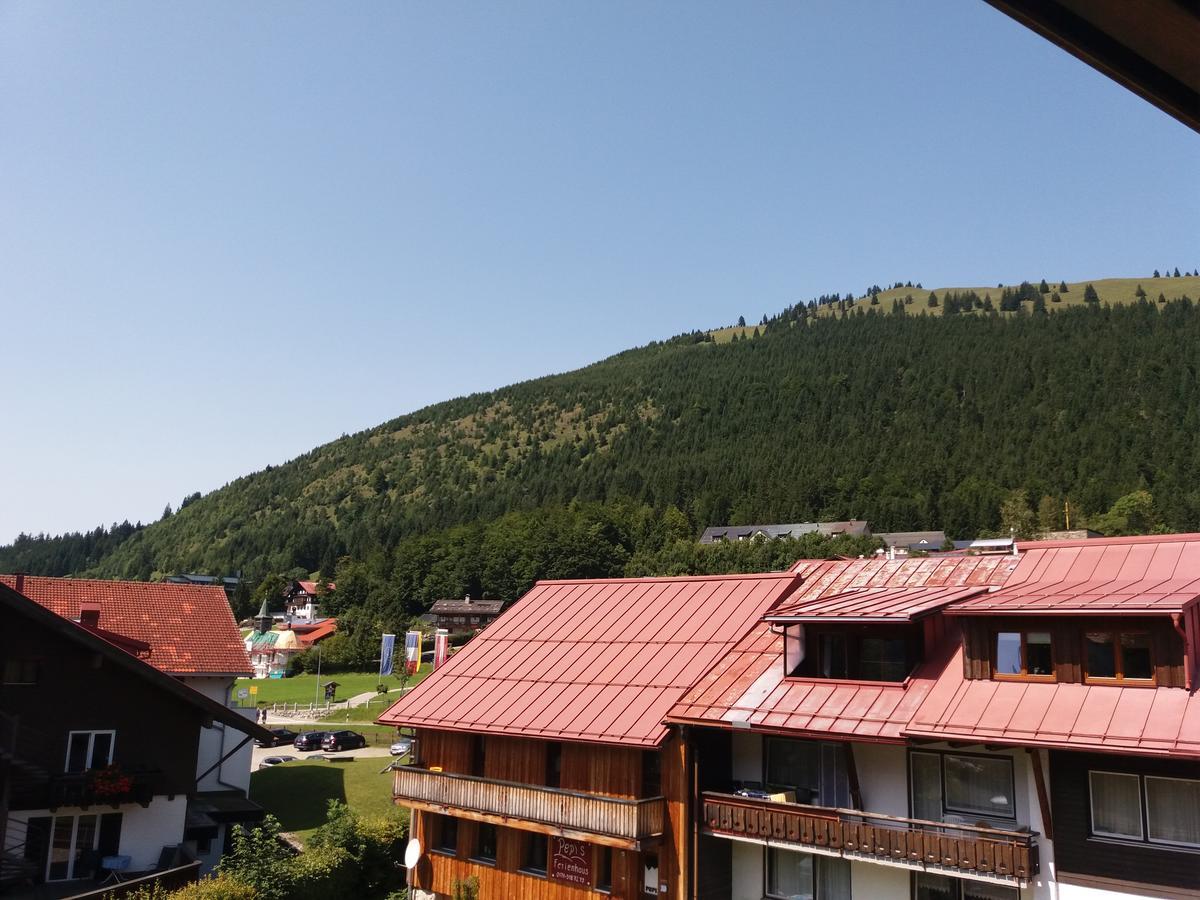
(274, 761)
(343, 740)
(401, 746)
(310, 740)
(279, 738)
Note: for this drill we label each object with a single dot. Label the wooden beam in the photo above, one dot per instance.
(856, 797)
(1039, 780)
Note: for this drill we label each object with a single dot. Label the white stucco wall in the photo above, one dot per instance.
(218, 740)
(144, 831)
(869, 881)
(747, 871)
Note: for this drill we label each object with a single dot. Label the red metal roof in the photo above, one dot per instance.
(1073, 716)
(872, 604)
(600, 661)
(190, 628)
(308, 634)
(1124, 576)
(747, 685)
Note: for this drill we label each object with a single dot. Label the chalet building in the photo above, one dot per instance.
(99, 749)
(302, 600)
(188, 632)
(543, 766)
(993, 727)
(464, 616)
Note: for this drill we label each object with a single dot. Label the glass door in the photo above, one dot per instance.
(72, 848)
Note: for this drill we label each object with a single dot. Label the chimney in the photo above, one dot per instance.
(20, 587)
(467, 599)
(89, 614)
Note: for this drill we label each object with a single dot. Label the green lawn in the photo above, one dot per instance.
(297, 793)
(303, 688)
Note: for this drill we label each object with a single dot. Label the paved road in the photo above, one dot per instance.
(261, 753)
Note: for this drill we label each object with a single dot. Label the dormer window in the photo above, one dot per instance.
(1024, 655)
(1118, 656)
(857, 653)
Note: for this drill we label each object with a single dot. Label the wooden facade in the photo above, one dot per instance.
(979, 637)
(1077, 851)
(1006, 856)
(628, 805)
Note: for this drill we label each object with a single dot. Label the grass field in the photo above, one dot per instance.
(303, 688)
(1111, 290)
(297, 793)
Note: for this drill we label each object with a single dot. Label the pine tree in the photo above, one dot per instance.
(1054, 298)
(1090, 295)
(741, 321)
(933, 300)
(1043, 287)
(1140, 293)
(1062, 287)
(1161, 298)
(1156, 275)
(1177, 271)
(1039, 305)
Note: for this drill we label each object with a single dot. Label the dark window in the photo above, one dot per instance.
(792, 874)
(604, 858)
(485, 843)
(553, 764)
(1118, 656)
(1024, 654)
(834, 661)
(1145, 808)
(89, 750)
(929, 886)
(20, 671)
(949, 786)
(883, 659)
(537, 850)
(446, 839)
(651, 773)
(478, 746)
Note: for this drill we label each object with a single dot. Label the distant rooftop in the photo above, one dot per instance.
(716, 533)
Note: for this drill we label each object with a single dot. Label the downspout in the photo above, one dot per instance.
(1176, 621)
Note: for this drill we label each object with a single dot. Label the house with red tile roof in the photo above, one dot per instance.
(186, 631)
(99, 753)
(974, 727)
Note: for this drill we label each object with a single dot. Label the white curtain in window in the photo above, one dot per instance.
(1116, 804)
(978, 784)
(979, 890)
(1173, 810)
(833, 878)
(790, 874)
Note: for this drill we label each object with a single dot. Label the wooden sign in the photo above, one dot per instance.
(570, 861)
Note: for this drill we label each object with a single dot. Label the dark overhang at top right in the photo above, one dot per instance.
(1149, 46)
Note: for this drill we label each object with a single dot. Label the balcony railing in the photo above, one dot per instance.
(610, 820)
(77, 790)
(1009, 856)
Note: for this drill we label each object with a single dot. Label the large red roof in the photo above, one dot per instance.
(747, 686)
(1073, 716)
(1124, 576)
(872, 604)
(600, 661)
(190, 628)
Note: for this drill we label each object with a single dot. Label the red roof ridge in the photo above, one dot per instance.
(1110, 541)
(736, 576)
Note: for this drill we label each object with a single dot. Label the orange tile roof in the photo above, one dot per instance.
(190, 628)
(599, 661)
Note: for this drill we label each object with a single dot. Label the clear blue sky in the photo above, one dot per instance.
(234, 231)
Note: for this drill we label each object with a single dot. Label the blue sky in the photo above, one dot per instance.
(235, 231)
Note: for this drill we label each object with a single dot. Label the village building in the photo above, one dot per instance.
(302, 600)
(271, 646)
(716, 533)
(464, 616)
(1012, 726)
(116, 778)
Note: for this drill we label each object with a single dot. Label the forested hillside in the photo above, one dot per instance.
(906, 421)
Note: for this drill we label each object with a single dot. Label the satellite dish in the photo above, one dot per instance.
(412, 853)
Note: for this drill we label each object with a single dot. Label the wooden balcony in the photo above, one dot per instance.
(1004, 856)
(612, 821)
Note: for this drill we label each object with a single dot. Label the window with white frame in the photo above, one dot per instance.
(963, 785)
(1154, 809)
(89, 750)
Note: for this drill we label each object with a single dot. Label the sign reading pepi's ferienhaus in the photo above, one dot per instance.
(570, 861)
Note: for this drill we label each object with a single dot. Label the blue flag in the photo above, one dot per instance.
(385, 654)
